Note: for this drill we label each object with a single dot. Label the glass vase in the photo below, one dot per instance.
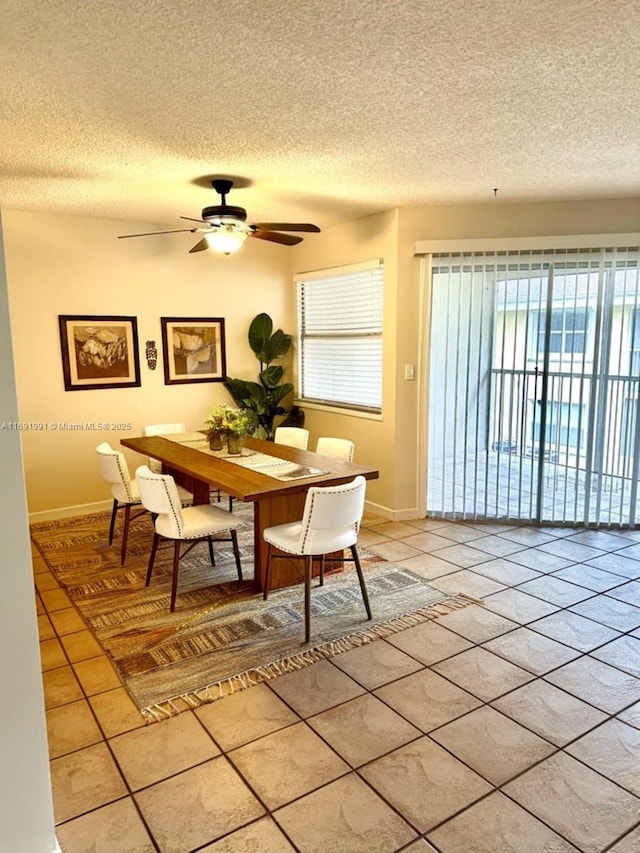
(234, 444)
(216, 441)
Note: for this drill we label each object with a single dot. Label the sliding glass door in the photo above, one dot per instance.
(534, 387)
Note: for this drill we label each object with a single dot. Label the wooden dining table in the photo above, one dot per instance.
(275, 501)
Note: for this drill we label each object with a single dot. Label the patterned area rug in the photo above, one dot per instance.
(222, 636)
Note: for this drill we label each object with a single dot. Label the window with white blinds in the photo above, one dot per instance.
(340, 337)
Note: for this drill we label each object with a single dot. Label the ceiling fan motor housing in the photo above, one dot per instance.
(224, 213)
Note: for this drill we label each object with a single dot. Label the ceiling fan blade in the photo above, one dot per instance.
(191, 219)
(200, 247)
(151, 233)
(274, 237)
(287, 226)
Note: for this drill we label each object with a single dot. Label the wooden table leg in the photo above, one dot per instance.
(269, 512)
(199, 489)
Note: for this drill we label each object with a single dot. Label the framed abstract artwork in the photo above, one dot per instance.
(193, 349)
(99, 352)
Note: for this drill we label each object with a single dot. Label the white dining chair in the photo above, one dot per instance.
(330, 523)
(161, 429)
(193, 524)
(292, 436)
(114, 469)
(338, 448)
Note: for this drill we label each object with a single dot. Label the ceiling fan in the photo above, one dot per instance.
(225, 227)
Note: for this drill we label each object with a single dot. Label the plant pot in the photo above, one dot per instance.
(216, 441)
(234, 444)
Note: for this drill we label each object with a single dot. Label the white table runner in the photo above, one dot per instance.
(271, 466)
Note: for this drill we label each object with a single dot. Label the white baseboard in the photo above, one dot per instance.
(392, 514)
(407, 514)
(66, 511)
(102, 506)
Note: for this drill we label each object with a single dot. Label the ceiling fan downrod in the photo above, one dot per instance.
(223, 210)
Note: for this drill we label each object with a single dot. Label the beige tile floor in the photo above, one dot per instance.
(512, 727)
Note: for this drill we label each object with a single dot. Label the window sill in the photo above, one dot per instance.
(337, 410)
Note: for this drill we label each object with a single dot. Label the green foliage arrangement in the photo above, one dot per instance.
(264, 398)
(227, 420)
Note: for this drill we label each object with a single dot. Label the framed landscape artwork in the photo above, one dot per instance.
(99, 352)
(193, 349)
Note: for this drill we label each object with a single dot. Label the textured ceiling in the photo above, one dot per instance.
(327, 109)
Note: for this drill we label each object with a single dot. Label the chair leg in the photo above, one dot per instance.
(112, 525)
(321, 570)
(152, 557)
(211, 554)
(125, 533)
(174, 583)
(308, 567)
(236, 552)
(267, 575)
(363, 588)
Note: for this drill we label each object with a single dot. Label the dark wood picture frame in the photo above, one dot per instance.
(193, 350)
(99, 351)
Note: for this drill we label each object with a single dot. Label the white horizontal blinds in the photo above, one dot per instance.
(340, 337)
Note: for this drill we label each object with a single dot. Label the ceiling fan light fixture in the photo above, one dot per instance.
(226, 238)
(224, 227)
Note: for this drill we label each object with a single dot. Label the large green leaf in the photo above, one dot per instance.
(259, 334)
(257, 396)
(277, 345)
(265, 345)
(281, 391)
(271, 376)
(244, 393)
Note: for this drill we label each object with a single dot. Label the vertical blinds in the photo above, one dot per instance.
(340, 317)
(535, 386)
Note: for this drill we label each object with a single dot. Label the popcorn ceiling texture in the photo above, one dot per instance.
(328, 109)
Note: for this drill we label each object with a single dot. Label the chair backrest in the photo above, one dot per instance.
(292, 436)
(339, 448)
(160, 429)
(159, 496)
(163, 429)
(114, 469)
(332, 516)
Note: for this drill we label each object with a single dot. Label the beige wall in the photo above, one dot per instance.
(362, 240)
(500, 219)
(75, 265)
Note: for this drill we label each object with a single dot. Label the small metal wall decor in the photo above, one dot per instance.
(151, 352)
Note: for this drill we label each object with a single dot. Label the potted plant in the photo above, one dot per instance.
(228, 422)
(215, 424)
(237, 424)
(264, 398)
